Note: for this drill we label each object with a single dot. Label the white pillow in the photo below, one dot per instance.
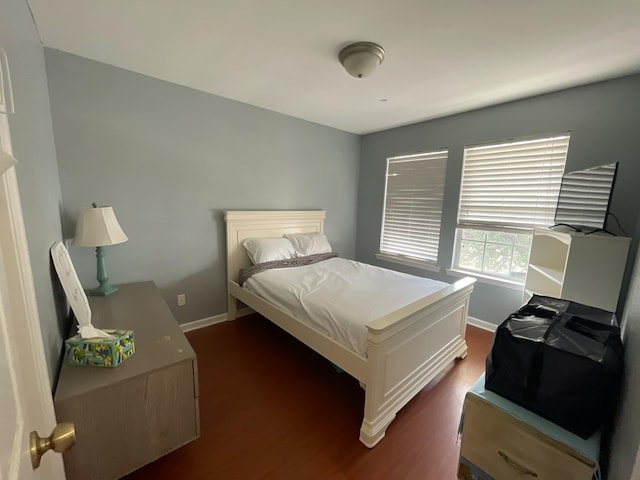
(306, 244)
(262, 250)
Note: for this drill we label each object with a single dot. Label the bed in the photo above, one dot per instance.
(405, 349)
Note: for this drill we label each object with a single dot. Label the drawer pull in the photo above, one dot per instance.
(516, 465)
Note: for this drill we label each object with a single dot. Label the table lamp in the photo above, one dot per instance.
(98, 227)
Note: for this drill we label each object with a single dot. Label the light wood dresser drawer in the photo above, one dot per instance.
(504, 441)
(506, 448)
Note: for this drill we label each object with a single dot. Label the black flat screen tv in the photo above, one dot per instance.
(585, 198)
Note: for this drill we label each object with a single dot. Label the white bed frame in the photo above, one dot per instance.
(406, 348)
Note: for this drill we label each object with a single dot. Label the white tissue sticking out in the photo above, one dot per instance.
(89, 331)
(74, 292)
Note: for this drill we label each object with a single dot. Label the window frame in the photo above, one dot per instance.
(494, 278)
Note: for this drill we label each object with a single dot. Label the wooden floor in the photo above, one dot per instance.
(272, 408)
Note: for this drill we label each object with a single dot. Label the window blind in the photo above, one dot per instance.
(513, 183)
(413, 205)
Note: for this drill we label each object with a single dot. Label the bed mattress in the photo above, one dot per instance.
(339, 297)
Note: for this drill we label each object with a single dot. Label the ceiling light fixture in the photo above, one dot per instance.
(360, 59)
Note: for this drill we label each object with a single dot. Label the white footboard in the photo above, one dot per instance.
(407, 349)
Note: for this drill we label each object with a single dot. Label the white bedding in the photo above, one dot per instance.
(339, 297)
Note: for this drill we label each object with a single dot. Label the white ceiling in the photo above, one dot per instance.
(443, 56)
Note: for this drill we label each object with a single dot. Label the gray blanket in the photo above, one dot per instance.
(246, 273)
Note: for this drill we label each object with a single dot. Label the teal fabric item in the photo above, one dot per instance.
(337, 368)
(590, 448)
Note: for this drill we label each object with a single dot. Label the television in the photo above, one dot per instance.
(585, 198)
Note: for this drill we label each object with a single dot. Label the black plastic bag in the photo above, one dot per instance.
(560, 359)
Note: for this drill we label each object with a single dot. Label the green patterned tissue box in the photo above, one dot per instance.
(100, 352)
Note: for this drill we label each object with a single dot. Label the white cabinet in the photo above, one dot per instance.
(585, 268)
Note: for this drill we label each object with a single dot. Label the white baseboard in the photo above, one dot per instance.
(476, 322)
(207, 322)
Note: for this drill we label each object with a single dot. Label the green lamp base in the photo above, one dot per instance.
(102, 291)
(105, 288)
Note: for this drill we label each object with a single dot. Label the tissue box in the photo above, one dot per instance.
(100, 352)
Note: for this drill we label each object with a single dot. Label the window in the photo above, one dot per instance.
(493, 253)
(413, 208)
(507, 189)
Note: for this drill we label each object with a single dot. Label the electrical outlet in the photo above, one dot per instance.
(182, 300)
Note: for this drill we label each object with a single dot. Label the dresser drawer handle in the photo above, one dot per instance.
(516, 465)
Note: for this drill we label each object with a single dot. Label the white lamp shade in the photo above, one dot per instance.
(98, 227)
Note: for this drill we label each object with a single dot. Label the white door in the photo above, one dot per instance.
(25, 395)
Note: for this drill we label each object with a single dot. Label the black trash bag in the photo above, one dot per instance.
(560, 359)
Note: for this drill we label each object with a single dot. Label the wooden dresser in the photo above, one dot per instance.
(128, 416)
(504, 441)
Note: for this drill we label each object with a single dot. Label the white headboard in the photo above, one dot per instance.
(264, 224)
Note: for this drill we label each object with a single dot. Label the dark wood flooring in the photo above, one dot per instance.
(271, 408)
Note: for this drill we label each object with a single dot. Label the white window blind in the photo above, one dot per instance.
(513, 183)
(413, 205)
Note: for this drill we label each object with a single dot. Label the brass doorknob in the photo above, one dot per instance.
(62, 438)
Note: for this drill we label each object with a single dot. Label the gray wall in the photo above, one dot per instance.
(33, 146)
(626, 438)
(603, 119)
(170, 159)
